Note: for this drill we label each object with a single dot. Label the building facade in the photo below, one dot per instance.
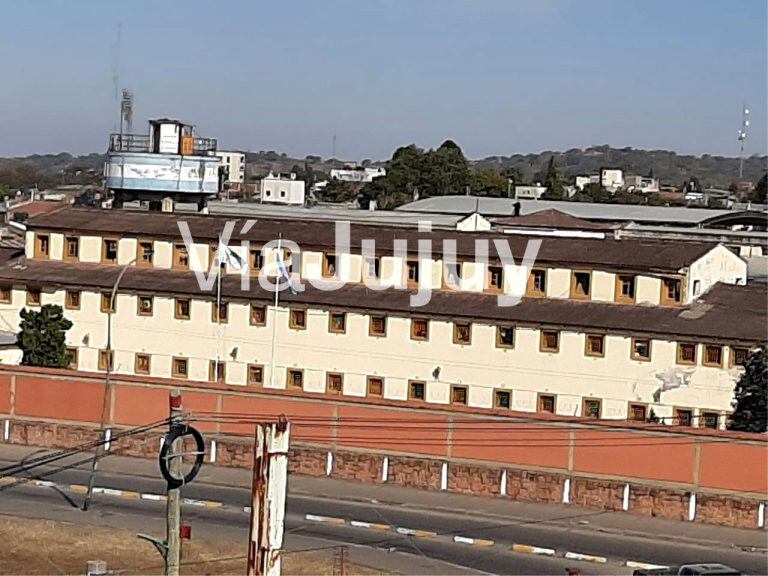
(608, 329)
(234, 165)
(279, 189)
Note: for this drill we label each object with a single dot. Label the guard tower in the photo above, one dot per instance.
(168, 163)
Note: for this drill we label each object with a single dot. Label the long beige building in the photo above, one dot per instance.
(607, 328)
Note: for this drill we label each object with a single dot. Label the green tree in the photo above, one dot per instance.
(751, 413)
(553, 182)
(42, 337)
(445, 171)
(489, 183)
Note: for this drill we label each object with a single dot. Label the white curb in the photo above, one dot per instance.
(586, 557)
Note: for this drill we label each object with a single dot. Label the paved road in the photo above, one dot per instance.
(435, 554)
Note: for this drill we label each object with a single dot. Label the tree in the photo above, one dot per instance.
(553, 182)
(489, 183)
(42, 337)
(760, 193)
(751, 413)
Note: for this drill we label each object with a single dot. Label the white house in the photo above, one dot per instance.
(279, 189)
(234, 162)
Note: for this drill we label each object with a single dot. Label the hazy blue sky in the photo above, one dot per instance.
(499, 77)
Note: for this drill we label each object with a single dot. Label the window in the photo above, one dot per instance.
(42, 246)
(686, 353)
(683, 417)
(546, 403)
(671, 292)
(502, 399)
(255, 374)
(641, 349)
(298, 319)
(106, 359)
(256, 260)
(739, 356)
(412, 271)
(592, 408)
(142, 364)
(378, 326)
(696, 287)
(146, 253)
(180, 256)
(295, 378)
(33, 296)
(334, 383)
(180, 368)
(108, 305)
(710, 420)
(638, 412)
(182, 309)
(71, 358)
(625, 288)
(6, 294)
(459, 395)
(330, 269)
(372, 268)
(419, 329)
(537, 282)
(144, 305)
(595, 345)
(505, 336)
(495, 278)
(550, 341)
(416, 390)
(258, 316)
(453, 275)
(217, 371)
(109, 251)
(375, 386)
(220, 313)
(713, 355)
(71, 248)
(72, 300)
(462, 333)
(581, 285)
(337, 323)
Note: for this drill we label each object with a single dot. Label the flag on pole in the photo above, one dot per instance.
(225, 255)
(284, 272)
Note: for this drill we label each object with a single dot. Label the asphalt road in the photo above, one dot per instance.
(438, 554)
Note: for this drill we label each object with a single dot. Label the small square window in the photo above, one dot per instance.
(581, 285)
(298, 319)
(109, 251)
(106, 360)
(182, 309)
(372, 268)
(550, 341)
(412, 271)
(417, 390)
(378, 326)
(146, 253)
(145, 305)
(295, 378)
(6, 294)
(592, 408)
(375, 386)
(547, 403)
(255, 374)
(502, 399)
(739, 356)
(217, 371)
(33, 296)
(710, 420)
(143, 364)
(180, 256)
(641, 349)
(537, 282)
(683, 417)
(258, 316)
(638, 412)
(686, 353)
(256, 260)
(330, 269)
(595, 345)
(71, 248)
(419, 329)
(72, 300)
(625, 288)
(505, 336)
(462, 333)
(42, 246)
(671, 292)
(713, 355)
(495, 278)
(334, 383)
(72, 357)
(180, 368)
(108, 304)
(337, 323)
(459, 395)
(220, 313)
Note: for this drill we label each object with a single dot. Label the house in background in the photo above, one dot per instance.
(279, 189)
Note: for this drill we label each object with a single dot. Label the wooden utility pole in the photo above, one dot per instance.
(173, 502)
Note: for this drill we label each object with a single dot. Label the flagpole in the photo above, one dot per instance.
(274, 314)
(218, 319)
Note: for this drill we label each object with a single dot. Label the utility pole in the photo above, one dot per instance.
(173, 501)
(742, 138)
(268, 490)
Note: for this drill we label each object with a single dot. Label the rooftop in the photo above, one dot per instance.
(551, 218)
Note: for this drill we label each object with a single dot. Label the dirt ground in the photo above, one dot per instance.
(30, 546)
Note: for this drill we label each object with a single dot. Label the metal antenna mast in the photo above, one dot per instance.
(126, 112)
(742, 137)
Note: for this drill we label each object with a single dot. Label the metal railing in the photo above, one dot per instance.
(141, 143)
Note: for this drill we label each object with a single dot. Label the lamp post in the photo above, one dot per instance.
(107, 386)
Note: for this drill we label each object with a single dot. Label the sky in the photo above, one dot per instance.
(498, 77)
